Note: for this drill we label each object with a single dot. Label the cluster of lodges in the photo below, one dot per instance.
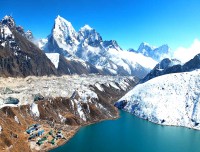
(36, 130)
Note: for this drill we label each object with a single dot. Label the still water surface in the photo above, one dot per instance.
(131, 134)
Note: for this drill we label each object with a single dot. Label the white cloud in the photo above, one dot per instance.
(185, 54)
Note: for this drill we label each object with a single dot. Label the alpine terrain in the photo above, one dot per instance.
(19, 56)
(168, 95)
(71, 79)
(46, 98)
(87, 45)
(167, 66)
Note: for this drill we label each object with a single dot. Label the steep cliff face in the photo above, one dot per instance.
(63, 103)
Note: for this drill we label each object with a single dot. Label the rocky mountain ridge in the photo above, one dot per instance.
(167, 66)
(88, 45)
(19, 56)
(156, 53)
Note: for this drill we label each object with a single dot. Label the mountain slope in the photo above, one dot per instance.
(88, 45)
(76, 66)
(169, 100)
(167, 66)
(19, 56)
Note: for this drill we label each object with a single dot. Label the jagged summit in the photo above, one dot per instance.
(19, 56)
(63, 28)
(9, 21)
(89, 36)
(157, 53)
(112, 44)
(146, 46)
(86, 27)
(60, 21)
(29, 35)
(63, 36)
(88, 45)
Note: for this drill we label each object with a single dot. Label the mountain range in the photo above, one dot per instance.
(88, 45)
(168, 92)
(156, 53)
(71, 52)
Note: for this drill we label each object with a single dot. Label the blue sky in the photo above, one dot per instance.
(130, 22)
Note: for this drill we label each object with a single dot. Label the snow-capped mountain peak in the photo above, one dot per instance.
(89, 36)
(9, 21)
(157, 53)
(63, 30)
(86, 27)
(144, 45)
(112, 44)
(63, 24)
(164, 49)
(88, 45)
(63, 36)
(29, 35)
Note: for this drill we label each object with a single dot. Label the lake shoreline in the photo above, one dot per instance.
(196, 129)
(115, 118)
(77, 129)
(129, 131)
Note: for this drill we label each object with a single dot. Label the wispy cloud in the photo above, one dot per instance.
(185, 54)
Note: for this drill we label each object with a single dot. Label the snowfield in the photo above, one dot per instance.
(172, 99)
(54, 57)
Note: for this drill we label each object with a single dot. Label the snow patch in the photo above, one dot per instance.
(87, 94)
(6, 30)
(114, 85)
(16, 119)
(41, 43)
(99, 87)
(34, 109)
(54, 57)
(62, 119)
(80, 110)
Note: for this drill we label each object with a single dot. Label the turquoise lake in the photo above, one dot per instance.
(131, 134)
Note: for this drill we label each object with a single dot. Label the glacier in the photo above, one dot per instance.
(172, 99)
